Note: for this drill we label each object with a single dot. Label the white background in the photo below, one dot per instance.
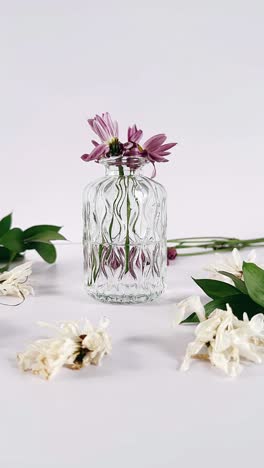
(195, 70)
(191, 69)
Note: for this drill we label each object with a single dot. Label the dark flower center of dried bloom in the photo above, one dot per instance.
(80, 356)
(115, 147)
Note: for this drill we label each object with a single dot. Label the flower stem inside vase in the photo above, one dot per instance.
(127, 241)
(127, 244)
(121, 171)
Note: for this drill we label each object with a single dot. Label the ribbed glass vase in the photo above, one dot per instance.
(124, 238)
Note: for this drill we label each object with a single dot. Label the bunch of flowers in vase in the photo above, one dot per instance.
(125, 249)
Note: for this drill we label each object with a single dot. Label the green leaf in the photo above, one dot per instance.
(5, 224)
(33, 230)
(239, 303)
(216, 289)
(13, 240)
(12, 256)
(46, 251)
(239, 284)
(45, 236)
(191, 319)
(254, 280)
(5, 254)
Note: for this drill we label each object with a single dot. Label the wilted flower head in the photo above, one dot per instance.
(171, 253)
(154, 150)
(230, 263)
(14, 282)
(134, 135)
(107, 130)
(104, 127)
(76, 345)
(222, 338)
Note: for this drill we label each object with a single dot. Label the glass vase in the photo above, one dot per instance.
(124, 238)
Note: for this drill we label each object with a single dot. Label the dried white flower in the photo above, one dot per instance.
(14, 282)
(225, 340)
(45, 357)
(187, 307)
(231, 264)
(76, 345)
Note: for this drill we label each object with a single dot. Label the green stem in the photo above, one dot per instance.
(114, 208)
(202, 253)
(121, 171)
(200, 238)
(212, 244)
(254, 241)
(127, 242)
(127, 246)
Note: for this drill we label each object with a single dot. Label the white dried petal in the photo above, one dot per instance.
(45, 357)
(231, 263)
(193, 348)
(187, 307)
(76, 345)
(228, 341)
(15, 281)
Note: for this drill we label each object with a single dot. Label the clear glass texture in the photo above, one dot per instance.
(124, 237)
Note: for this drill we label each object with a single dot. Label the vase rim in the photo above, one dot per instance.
(132, 162)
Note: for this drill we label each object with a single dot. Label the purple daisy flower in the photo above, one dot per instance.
(134, 134)
(107, 130)
(156, 149)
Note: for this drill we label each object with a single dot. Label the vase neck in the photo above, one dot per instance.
(124, 167)
(122, 171)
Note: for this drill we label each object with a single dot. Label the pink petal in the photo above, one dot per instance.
(98, 151)
(154, 142)
(137, 136)
(100, 131)
(133, 134)
(109, 122)
(85, 157)
(167, 146)
(91, 123)
(116, 133)
(129, 132)
(101, 122)
(156, 157)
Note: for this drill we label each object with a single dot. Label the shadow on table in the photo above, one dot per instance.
(113, 365)
(52, 280)
(8, 332)
(172, 345)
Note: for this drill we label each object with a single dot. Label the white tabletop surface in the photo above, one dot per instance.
(137, 410)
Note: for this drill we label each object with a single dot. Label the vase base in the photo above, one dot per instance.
(125, 299)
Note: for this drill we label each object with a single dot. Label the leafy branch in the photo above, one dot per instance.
(245, 295)
(14, 241)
